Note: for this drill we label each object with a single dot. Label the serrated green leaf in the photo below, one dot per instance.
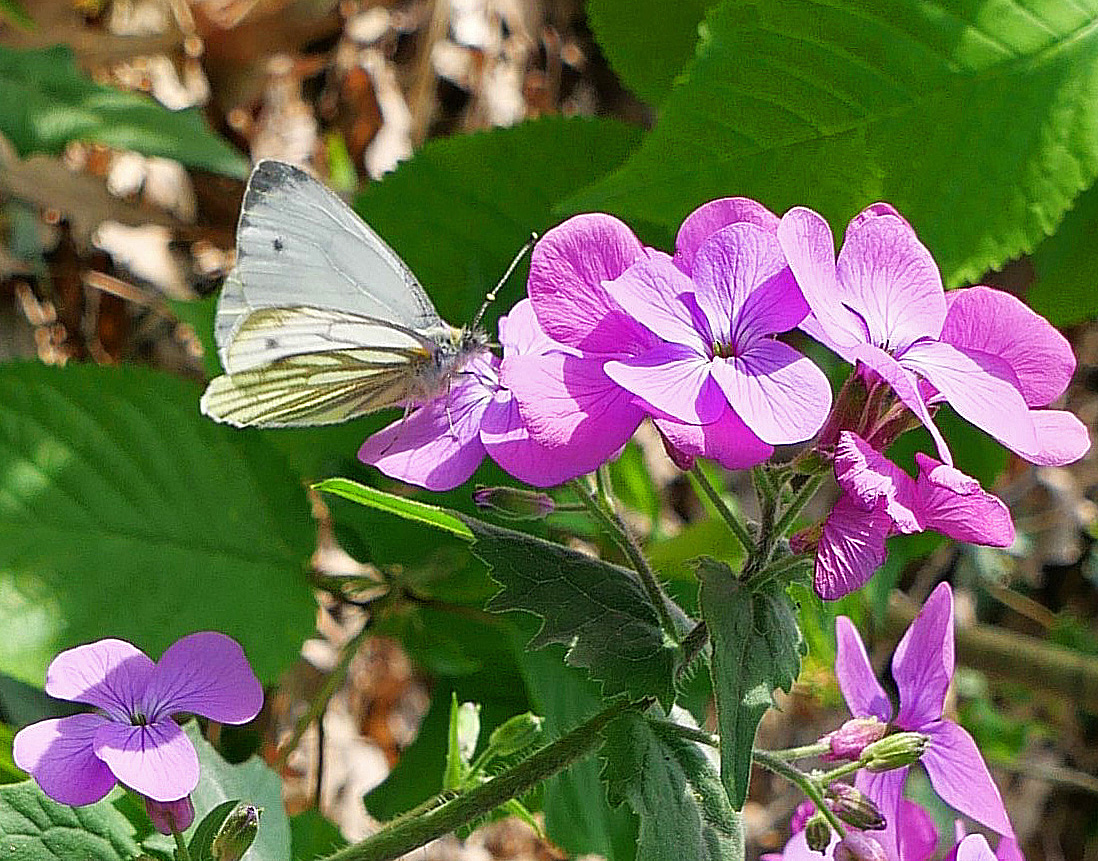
(125, 513)
(1066, 291)
(757, 647)
(409, 509)
(33, 827)
(978, 121)
(671, 784)
(600, 611)
(252, 782)
(648, 42)
(459, 210)
(46, 102)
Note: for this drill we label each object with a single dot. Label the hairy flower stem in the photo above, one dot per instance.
(181, 852)
(611, 521)
(781, 568)
(796, 505)
(320, 701)
(734, 523)
(802, 781)
(408, 833)
(805, 751)
(846, 768)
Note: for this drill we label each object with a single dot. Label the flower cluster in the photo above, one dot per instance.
(132, 738)
(613, 332)
(922, 669)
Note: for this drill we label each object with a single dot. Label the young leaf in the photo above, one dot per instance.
(206, 830)
(978, 127)
(757, 647)
(46, 102)
(599, 610)
(409, 509)
(670, 782)
(125, 513)
(33, 827)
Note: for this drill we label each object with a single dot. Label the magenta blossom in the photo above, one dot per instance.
(914, 827)
(133, 738)
(923, 669)
(440, 444)
(572, 286)
(879, 499)
(881, 305)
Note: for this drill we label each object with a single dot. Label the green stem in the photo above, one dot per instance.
(805, 751)
(846, 768)
(779, 568)
(692, 645)
(734, 523)
(805, 783)
(611, 521)
(407, 834)
(181, 852)
(320, 701)
(796, 505)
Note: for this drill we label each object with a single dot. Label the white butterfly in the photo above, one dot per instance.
(321, 321)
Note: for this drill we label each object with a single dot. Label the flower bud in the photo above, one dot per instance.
(859, 847)
(849, 740)
(236, 833)
(801, 815)
(817, 833)
(513, 503)
(895, 751)
(515, 734)
(854, 807)
(166, 815)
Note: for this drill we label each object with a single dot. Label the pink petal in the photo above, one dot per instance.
(655, 293)
(1008, 850)
(974, 848)
(888, 277)
(923, 663)
(155, 759)
(437, 446)
(208, 674)
(810, 250)
(994, 322)
(109, 674)
(729, 266)
(509, 444)
(874, 480)
(60, 755)
(780, 394)
(1061, 438)
(954, 504)
(916, 832)
(858, 683)
(558, 396)
(521, 334)
(774, 306)
(567, 271)
(975, 388)
(886, 789)
(851, 548)
(959, 775)
(872, 211)
(906, 386)
(166, 815)
(797, 849)
(710, 217)
(675, 380)
(728, 441)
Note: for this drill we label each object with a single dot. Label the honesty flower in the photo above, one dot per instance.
(441, 443)
(880, 499)
(881, 304)
(914, 827)
(923, 669)
(572, 285)
(133, 738)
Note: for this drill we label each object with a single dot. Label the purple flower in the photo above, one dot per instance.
(881, 304)
(441, 443)
(880, 499)
(914, 827)
(133, 739)
(923, 669)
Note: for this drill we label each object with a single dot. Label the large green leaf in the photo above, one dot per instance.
(978, 120)
(671, 784)
(648, 42)
(461, 208)
(599, 610)
(125, 513)
(1067, 288)
(33, 827)
(46, 102)
(757, 647)
(409, 509)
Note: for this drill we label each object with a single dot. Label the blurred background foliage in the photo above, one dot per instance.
(456, 127)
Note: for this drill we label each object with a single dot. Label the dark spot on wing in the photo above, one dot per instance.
(270, 343)
(277, 243)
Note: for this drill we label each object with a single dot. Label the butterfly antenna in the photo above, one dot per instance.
(491, 297)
